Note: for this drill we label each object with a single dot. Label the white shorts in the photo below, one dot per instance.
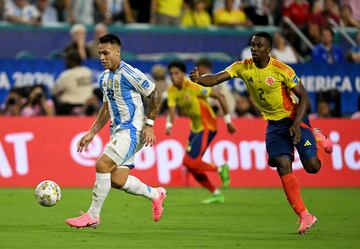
(123, 145)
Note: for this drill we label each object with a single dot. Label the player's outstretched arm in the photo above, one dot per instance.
(224, 106)
(209, 79)
(300, 92)
(101, 119)
(170, 119)
(154, 106)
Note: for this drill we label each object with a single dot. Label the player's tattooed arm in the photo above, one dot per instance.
(154, 100)
(154, 106)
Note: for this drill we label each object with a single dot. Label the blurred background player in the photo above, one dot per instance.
(271, 84)
(122, 86)
(191, 100)
(74, 85)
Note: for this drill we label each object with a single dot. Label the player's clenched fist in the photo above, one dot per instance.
(194, 75)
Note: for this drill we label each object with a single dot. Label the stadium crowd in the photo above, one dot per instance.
(74, 93)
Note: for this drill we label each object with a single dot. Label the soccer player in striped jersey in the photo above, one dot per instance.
(130, 129)
(273, 87)
(191, 100)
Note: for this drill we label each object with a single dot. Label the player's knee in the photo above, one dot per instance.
(189, 162)
(313, 166)
(102, 166)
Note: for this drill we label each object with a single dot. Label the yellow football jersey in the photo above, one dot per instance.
(192, 102)
(269, 87)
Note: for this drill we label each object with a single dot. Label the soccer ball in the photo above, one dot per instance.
(47, 193)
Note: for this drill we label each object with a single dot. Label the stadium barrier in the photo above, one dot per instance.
(35, 149)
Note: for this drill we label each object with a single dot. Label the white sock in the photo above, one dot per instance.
(101, 189)
(134, 186)
(216, 192)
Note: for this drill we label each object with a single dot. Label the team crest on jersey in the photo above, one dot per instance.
(116, 84)
(295, 80)
(204, 91)
(145, 84)
(270, 80)
(110, 83)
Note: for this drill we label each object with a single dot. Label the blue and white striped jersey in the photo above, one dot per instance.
(122, 90)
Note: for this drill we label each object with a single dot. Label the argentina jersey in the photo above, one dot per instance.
(122, 91)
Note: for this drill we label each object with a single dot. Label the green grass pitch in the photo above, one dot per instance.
(250, 219)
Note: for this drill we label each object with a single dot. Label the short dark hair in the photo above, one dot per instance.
(204, 62)
(72, 58)
(265, 35)
(178, 64)
(110, 38)
(328, 29)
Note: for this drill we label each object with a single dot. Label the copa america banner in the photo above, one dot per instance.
(35, 149)
(344, 78)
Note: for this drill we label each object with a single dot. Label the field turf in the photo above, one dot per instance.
(250, 219)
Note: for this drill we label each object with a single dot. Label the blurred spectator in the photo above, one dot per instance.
(78, 41)
(47, 12)
(117, 11)
(243, 107)
(81, 11)
(320, 18)
(93, 104)
(164, 12)
(13, 104)
(326, 51)
(60, 7)
(347, 18)
(283, 51)
(246, 52)
(298, 11)
(20, 11)
(220, 4)
(257, 11)
(2, 10)
(229, 16)
(74, 86)
(141, 10)
(355, 7)
(204, 66)
(196, 15)
(38, 104)
(158, 73)
(323, 110)
(354, 54)
(100, 30)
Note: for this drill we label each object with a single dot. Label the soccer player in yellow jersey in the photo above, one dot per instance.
(274, 86)
(191, 100)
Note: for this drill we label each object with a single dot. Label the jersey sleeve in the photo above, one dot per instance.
(139, 81)
(100, 83)
(202, 91)
(234, 70)
(171, 99)
(291, 79)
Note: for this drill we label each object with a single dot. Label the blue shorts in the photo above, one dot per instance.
(279, 142)
(199, 142)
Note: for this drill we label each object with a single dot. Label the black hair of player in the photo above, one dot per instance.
(110, 38)
(265, 35)
(203, 62)
(178, 64)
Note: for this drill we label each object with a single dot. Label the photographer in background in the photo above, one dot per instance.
(38, 104)
(12, 105)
